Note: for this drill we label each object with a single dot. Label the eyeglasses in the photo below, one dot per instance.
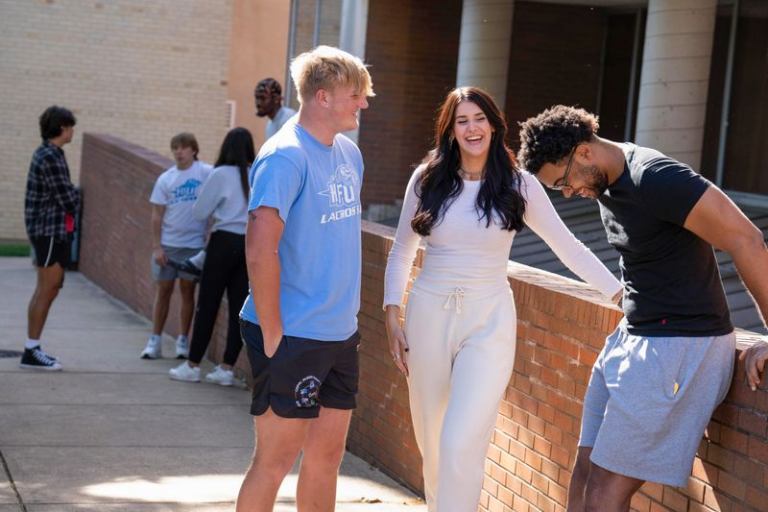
(564, 184)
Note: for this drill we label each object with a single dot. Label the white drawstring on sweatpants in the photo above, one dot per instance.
(456, 295)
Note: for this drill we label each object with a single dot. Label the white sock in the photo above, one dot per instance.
(154, 337)
(198, 259)
(30, 344)
(182, 338)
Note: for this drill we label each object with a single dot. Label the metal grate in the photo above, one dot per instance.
(9, 353)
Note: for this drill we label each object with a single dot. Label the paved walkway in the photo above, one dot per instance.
(112, 433)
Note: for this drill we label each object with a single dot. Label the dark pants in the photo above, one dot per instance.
(224, 268)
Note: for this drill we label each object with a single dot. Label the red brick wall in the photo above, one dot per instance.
(116, 241)
(561, 328)
(554, 58)
(413, 49)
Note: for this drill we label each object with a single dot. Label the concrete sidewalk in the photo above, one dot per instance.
(112, 433)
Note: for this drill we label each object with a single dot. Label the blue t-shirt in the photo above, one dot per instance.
(316, 190)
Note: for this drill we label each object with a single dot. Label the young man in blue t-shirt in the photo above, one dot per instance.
(299, 323)
(670, 361)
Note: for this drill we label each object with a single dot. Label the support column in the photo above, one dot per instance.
(354, 27)
(352, 37)
(675, 77)
(486, 31)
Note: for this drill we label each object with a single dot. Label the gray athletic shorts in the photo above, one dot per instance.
(168, 273)
(649, 401)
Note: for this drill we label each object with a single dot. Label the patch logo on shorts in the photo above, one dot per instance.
(307, 391)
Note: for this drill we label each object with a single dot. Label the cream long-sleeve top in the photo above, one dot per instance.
(462, 252)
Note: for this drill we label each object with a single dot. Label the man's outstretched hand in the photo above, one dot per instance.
(755, 358)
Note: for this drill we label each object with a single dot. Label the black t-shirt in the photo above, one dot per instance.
(672, 284)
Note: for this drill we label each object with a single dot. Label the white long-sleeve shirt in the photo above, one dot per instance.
(222, 196)
(461, 251)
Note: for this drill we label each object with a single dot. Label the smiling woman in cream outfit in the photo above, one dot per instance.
(467, 200)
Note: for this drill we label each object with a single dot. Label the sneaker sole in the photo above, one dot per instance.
(147, 356)
(226, 384)
(43, 368)
(182, 356)
(182, 380)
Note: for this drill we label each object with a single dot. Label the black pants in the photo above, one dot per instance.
(224, 268)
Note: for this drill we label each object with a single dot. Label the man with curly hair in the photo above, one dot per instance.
(670, 361)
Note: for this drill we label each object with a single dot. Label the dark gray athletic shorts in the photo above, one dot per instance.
(303, 375)
(168, 273)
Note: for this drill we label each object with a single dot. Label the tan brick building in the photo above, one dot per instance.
(138, 69)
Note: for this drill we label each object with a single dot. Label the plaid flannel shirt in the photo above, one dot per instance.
(51, 196)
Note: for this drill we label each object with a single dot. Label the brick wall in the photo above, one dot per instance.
(561, 328)
(116, 239)
(412, 48)
(413, 51)
(554, 58)
(562, 325)
(139, 69)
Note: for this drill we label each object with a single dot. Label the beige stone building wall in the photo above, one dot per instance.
(142, 70)
(259, 50)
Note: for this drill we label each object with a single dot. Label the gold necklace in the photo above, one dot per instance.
(470, 174)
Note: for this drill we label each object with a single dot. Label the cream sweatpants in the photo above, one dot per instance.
(462, 352)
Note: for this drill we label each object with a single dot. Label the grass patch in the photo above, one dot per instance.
(14, 250)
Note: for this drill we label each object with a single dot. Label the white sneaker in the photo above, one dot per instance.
(154, 349)
(182, 348)
(221, 377)
(185, 373)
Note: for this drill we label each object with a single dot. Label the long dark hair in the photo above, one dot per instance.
(440, 183)
(237, 150)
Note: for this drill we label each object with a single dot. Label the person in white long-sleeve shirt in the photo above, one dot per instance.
(224, 198)
(467, 200)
